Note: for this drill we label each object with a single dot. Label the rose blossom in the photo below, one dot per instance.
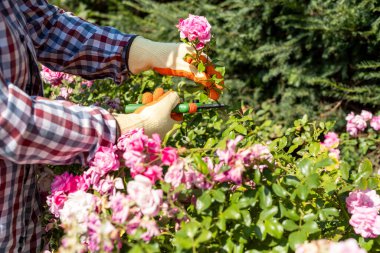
(375, 123)
(169, 156)
(362, 199)
(119, 204)
(331, 140)
(366, 115)
(366, 222)
(64, 182)
(55, 78)
(151, 229)
(148, 200)
(105, 160)
(77, 206)
(154, 173)
(355, 123)
(175, 173)
(195, 28)
(56, 201)
(347, 246)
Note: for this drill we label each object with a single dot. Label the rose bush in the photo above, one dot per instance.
(223, 181)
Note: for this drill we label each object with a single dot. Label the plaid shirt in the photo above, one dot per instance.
(34, 130)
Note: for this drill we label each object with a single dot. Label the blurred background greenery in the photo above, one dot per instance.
(295, 57)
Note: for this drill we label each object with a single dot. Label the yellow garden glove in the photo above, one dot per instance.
(154, 117)
(169, 59)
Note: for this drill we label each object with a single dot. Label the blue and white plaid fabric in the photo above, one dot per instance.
(34, 130)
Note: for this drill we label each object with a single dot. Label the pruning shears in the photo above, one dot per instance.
(180, 108)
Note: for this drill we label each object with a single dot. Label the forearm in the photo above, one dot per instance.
(67, 43)
(50, 132)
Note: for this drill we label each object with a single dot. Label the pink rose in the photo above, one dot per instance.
(105, 160)
(55, 78)
(195, 28)
(154, 173)
(65, 92)
(64, 182)
(331, 140)
(56, 202)
(366, 222)
(88, 83)
(347, 246)
(105, 186)
(362, 199)
(169, 156)
(151, 229)
(148, 200)
(154, 144)
(366, 115)
(175, 173)
(375, 123)
(119, 204)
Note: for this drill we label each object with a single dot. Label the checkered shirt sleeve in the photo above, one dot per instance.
(40, 131)
(69, 44)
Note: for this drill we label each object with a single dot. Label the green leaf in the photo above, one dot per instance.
(310, 227)
(241, 129)
(344, 169)
(296, 238)
(366, 243)
(265, 197)
(279, 190)
(268, 213)
(306, 166)
(232, 213)
(218, 195)
(309, 217)
(365, 168)
(246, 217)
(274, 228)
(289, 225)
(203, 202)
(201, 67)
(204, 236)
(302, 192)
(314, 148)
(202, 166)
(312, 181)
(324, 163)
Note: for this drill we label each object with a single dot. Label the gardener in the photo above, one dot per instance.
(39, 131)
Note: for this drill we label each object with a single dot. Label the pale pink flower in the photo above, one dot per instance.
(92, 176)
(375, 123)
(366, 222)
(360, 122)
(215, 171)
(65, 92)
(169, 156)
(148, 200)
(55, 78)
(175, 174)
(228, 155)
(256, 154)
(366, 115)
(347, 246)
(154, 173)
(105, 160)
(195, 28)
(124, 140)
(235, 174)
(154, 144)
(351, 129)
(362, 199)
(88, 83)
(119, 204)
(55, 201)
(105, 185)
(334, 153)
(133, 224)
(331, 140)
(93, 229)
(151, 229)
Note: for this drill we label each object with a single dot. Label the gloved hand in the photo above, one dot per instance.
(154, 117)
(168, 59)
